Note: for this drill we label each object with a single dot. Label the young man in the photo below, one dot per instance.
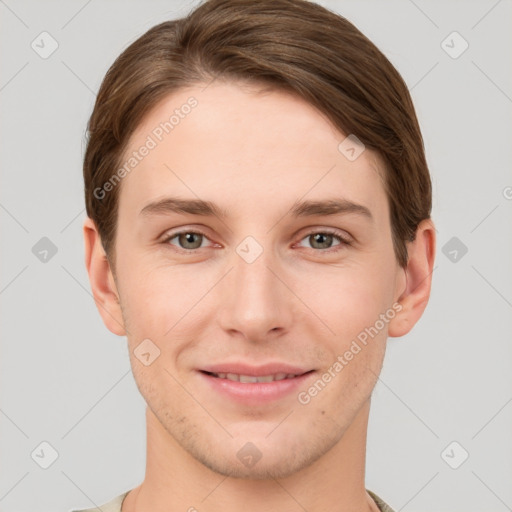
(258, 224)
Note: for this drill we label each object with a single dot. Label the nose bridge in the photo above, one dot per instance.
(253, 278)
(256, 302)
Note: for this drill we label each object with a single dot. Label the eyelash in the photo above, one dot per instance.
(344, 242)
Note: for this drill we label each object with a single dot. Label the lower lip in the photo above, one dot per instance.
(255, 393)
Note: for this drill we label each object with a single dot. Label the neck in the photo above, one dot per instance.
(176, 481)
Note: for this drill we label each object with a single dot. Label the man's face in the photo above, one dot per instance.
(259, 286)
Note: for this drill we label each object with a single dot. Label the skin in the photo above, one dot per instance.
(254, 154)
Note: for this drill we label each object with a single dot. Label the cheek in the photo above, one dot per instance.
(347, 299)
(155, 298)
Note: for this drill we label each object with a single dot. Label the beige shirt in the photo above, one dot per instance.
(115, 504)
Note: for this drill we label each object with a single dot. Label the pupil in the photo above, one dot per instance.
(189, 239)
(319, 236)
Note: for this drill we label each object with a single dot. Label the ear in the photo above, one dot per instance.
(102, 282)
(418, 277)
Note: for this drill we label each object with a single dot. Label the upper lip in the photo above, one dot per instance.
(256, 371)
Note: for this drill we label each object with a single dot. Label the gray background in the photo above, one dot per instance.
(66, 380)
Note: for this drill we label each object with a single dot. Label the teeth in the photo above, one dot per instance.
(252, 378)
(248, 378)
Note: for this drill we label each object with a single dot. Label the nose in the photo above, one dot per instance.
(256, 304)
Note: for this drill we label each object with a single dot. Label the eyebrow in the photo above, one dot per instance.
(298, 209)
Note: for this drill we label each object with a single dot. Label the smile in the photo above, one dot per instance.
(247, 379)
(255, 390)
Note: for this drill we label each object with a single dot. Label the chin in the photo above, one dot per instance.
(263, 458)
(262, 470)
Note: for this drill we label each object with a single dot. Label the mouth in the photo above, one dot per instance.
(255, 390)
(251, 379)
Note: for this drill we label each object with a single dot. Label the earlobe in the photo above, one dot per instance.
(102, 283)
(418, 279)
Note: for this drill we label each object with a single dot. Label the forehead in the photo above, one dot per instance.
(239, 146)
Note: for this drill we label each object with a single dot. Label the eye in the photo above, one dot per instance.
(187, 240)
(323, 240)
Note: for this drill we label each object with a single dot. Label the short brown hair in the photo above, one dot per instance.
(294, 45)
